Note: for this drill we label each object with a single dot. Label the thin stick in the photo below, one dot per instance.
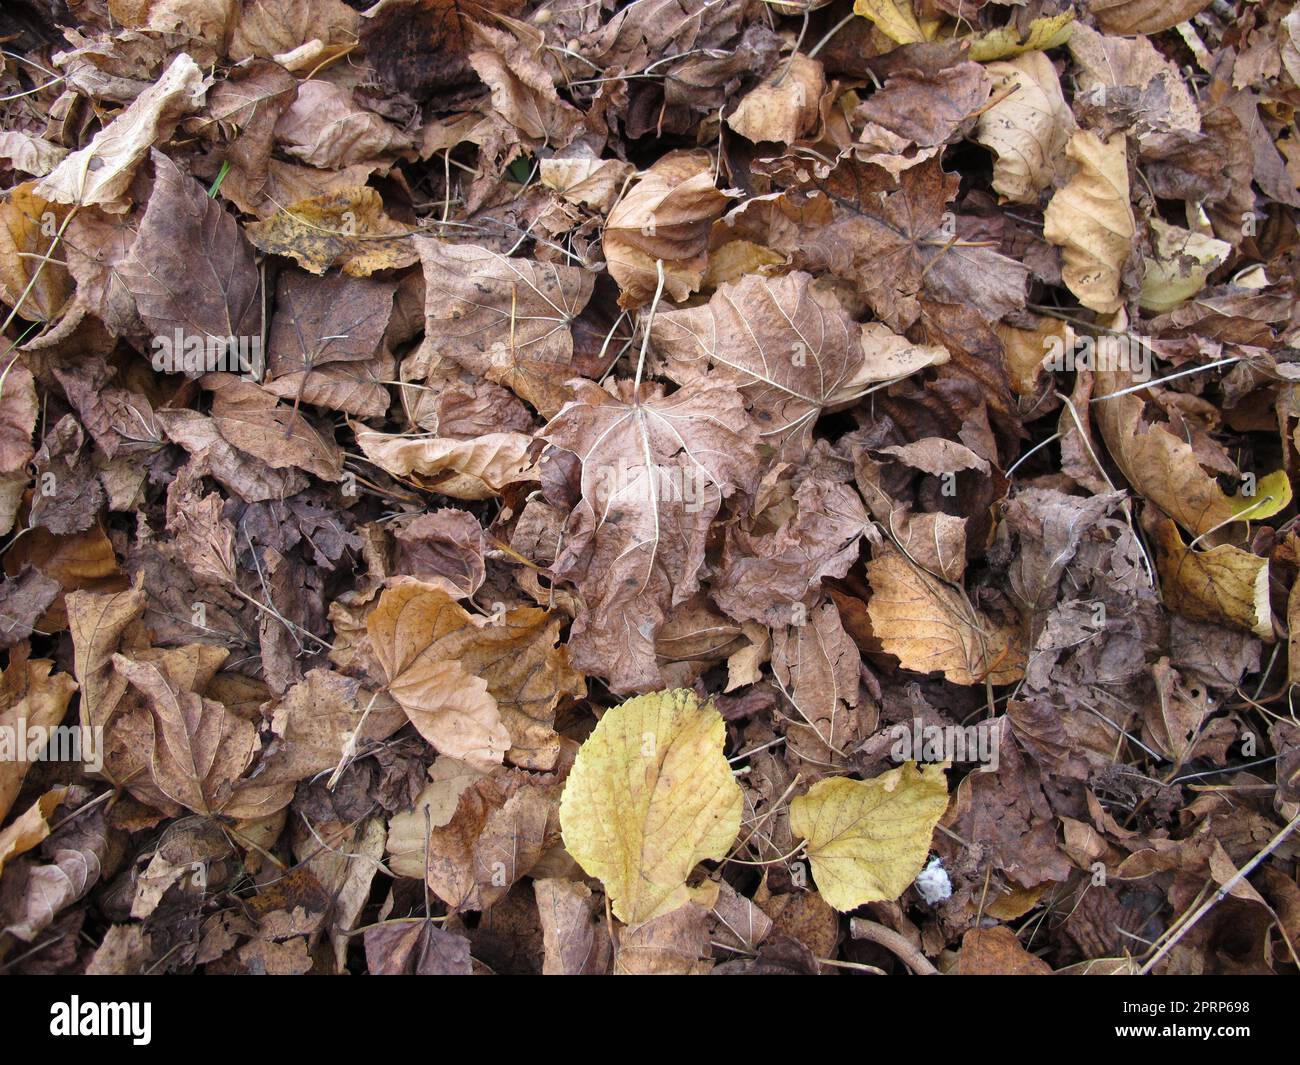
(861, 928)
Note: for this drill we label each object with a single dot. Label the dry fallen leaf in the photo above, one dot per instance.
(930, 627)
(1090, 218)
(867, 839)
(649, 797)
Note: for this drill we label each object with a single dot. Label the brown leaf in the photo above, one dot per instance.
(505, 319)
(655, 470)
(665, 217)
(190, 270)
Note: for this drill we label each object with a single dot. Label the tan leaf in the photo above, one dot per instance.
(929, 627)
(29, 828)
(1223, 584)
(584, 178)
(30, 698)
(416, 630)
(649, 797)
(784, 106)
(199, 749)
(325, 128)
(97, 623)
(664, 217)
(101, 172)
(463, 469)
(867, 839)
(1028, 129)
(817, 666)
(1143, 16)
(28, 227)
(1091, 219)
(18, 409)
(1164, 468)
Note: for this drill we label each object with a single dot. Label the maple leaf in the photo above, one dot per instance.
(655, 470)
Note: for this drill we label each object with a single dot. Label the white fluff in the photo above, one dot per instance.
(932, 883)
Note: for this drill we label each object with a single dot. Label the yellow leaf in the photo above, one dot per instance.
(650, 796)
(867, 839)
(1044, 33)
(929, 627)
(1091, 219)
(347, 229)
(1224, 584)
(1180, 265)
(1163, 467)
(894, 18)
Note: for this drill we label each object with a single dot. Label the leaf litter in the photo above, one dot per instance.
(766, 488)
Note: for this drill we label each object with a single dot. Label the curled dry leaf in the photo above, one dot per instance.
(664, 218)
(1027, 129)
(649, 797)
(463, 469)
(1222, 584)
(1091, 219)
(415, 629)
(1164, 468)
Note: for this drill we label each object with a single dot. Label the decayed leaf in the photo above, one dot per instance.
(346, 228)
(649, 797)
(664, 217)
(929, 627)
(582, 178)
(416, 630)
(506, 319)
(18, 409)
(655, 470)
(1182, 262)
(100, 173)
(574, 937)
(1164, 468)
(1027, 130)
(1091, 219)
(867, 839)
(817, 666)
(1222, 584)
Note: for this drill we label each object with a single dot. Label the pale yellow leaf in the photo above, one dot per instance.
(649, 797)
(867, 839)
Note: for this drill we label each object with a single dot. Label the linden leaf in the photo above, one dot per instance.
(867, 839)
(1223, 584)
(347, 229)
(929, 627)
(1178, 269)
(650, 796)
(1164, 468)
(1091, 219)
